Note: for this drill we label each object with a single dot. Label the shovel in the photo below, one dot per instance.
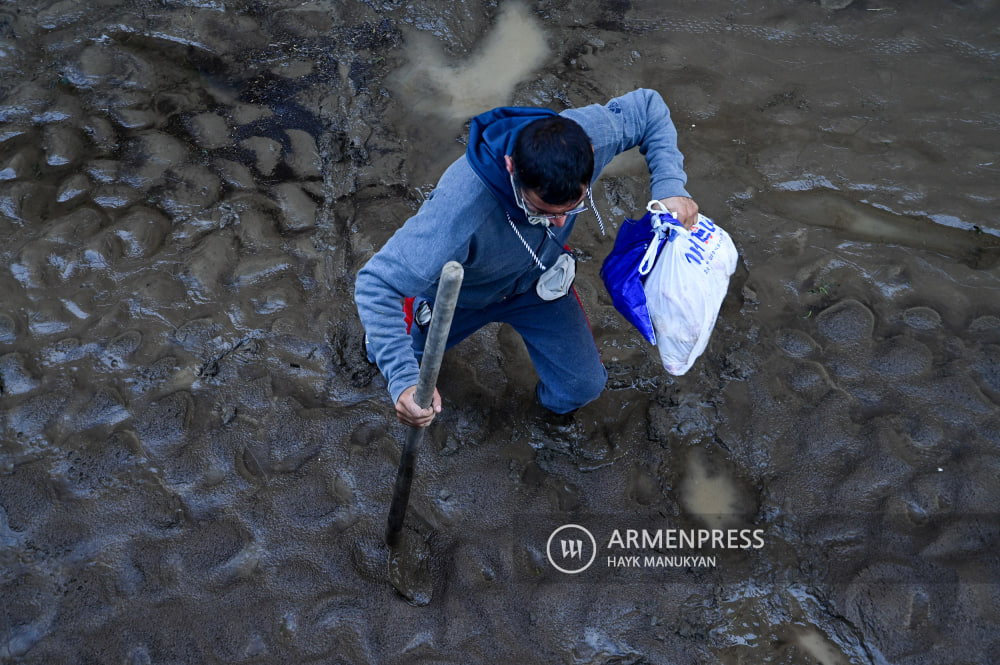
(437, 338)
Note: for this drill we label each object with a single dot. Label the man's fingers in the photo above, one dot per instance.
(410, 413)
(419, 419)
(418, 422)
(690, 213)
(685, 209)
(416, 417)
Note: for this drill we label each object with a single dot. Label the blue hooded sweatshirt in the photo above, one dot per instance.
(465, 219)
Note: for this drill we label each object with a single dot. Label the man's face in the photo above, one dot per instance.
(557, 214)
(534, 206)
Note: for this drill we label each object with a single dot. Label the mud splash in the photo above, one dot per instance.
(196, 460)
(430, 84)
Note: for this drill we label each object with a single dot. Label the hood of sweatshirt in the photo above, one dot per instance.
(491, 136)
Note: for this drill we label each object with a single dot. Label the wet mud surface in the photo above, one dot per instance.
(197, 462)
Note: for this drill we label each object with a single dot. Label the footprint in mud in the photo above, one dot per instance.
(8, 329)
(908, 602)
(162, 425)
(848, 322)
(121, 348)
(796, 343)
(141, 232)
(644, 486)
(15, 377)
(922, 318)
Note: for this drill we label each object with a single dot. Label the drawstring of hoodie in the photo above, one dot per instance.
(593, 206)
(524, 242)
(534, 257)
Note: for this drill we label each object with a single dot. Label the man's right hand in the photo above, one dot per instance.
(412, 415)
(683, 208)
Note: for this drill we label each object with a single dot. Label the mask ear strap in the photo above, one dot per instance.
(519, 200)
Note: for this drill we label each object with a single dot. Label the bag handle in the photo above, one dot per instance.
(661, 220)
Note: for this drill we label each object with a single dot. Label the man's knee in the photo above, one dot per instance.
(594, 385)
(582, 390)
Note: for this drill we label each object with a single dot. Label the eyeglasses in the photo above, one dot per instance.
(545, 219)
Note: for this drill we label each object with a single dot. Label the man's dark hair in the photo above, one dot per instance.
(553, 157)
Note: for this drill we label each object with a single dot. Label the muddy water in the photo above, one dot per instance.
(196, 460)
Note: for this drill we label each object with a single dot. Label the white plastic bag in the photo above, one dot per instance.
(685, 290)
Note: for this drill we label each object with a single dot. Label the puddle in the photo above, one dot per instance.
(834, 210)
(787, 625)
(434, 84)
(710, 493)
(822, 651)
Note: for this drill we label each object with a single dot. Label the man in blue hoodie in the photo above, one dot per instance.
(505, 211)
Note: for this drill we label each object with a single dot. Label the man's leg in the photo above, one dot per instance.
(562, 348)
(558, 339)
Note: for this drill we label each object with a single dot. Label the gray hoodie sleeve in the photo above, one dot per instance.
(639, 118)
(409, 264)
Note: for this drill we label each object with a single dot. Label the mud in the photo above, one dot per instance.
(197, 461)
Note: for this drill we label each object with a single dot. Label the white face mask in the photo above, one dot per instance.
(557, 280)
(543, 219)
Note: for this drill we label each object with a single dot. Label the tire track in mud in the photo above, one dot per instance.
(813, 35)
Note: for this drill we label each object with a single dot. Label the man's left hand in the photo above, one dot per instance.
(683, 208)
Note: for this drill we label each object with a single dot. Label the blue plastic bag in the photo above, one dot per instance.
(637, 245)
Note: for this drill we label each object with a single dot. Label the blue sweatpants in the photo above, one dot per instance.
(558, 338)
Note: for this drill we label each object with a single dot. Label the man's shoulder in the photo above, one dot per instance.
(461, 189)
(454, 212)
